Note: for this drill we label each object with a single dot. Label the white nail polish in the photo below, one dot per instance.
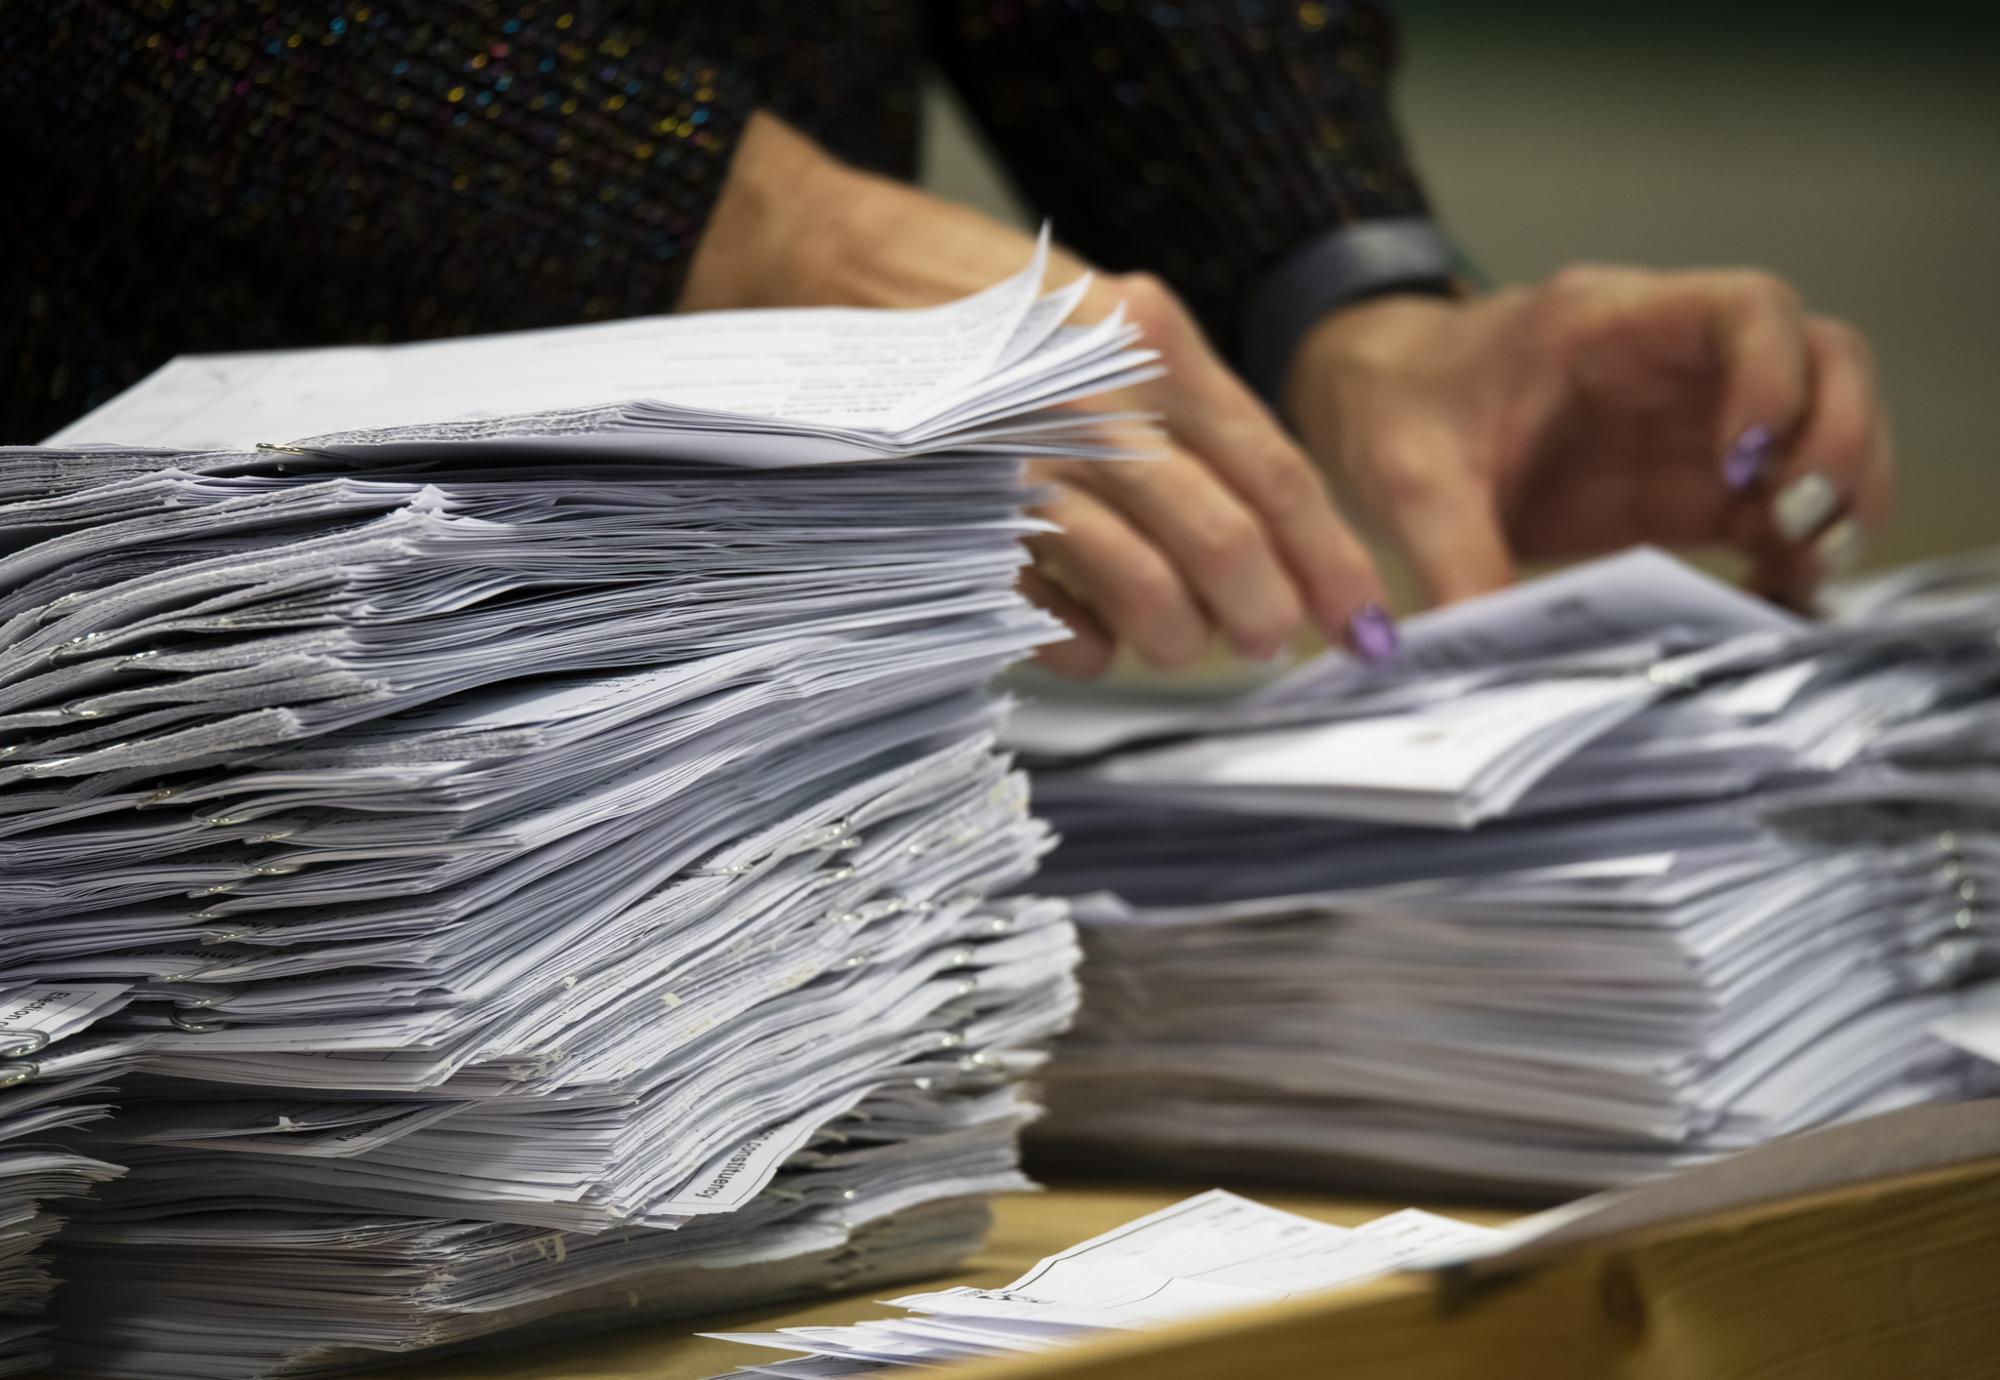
(1839, 547)
(1802, 505)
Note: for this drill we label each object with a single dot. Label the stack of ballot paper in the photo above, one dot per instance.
(1614, 871)
(1213, 1252)
(527, 850)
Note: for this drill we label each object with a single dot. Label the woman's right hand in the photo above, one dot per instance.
(1230, 530)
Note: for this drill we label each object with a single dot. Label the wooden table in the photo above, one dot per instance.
(1854, 1253)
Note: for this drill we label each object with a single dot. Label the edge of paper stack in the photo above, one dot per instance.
(524, 850)
(1613, 872)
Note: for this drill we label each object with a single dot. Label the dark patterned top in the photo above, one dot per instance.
(195, 175)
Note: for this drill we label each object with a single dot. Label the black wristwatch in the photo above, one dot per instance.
(1369, 258)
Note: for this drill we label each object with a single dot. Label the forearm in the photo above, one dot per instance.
(1203, 145)
(794, 226)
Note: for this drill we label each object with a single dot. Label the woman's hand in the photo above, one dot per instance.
(1602, 407)
(1231, 530)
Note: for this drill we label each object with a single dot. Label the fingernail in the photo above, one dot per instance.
(1804, 504)
(1839, 547)
(1747, 458)
(1371, 632)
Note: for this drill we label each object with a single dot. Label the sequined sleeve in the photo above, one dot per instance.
(1199, 139)
(240, 175)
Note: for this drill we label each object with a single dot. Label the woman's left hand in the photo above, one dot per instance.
(1602, 407)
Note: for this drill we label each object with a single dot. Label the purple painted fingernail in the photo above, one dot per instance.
(1371, 632)
(1747, 458)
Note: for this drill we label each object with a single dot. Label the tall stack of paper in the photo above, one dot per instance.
(1616, 871)
(549, 854)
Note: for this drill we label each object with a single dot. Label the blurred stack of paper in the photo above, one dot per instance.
(1615, 871)
(50, 1083)
(549, 857)
(1212, 1252)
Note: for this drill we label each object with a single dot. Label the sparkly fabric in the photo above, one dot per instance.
(195, 175)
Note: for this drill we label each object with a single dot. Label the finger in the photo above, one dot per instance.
(1213, 415)
(1756, 333)
(1086, 653)
(1837, 482)
(1221, 549)
(1874, 496)
(1130, 588)
(1785, 572)
(1444, 523)
(1836, 462)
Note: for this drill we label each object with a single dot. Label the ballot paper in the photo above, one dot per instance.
(741, 387)
(1615, 872)
(1210, 1253)
(505, 835)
